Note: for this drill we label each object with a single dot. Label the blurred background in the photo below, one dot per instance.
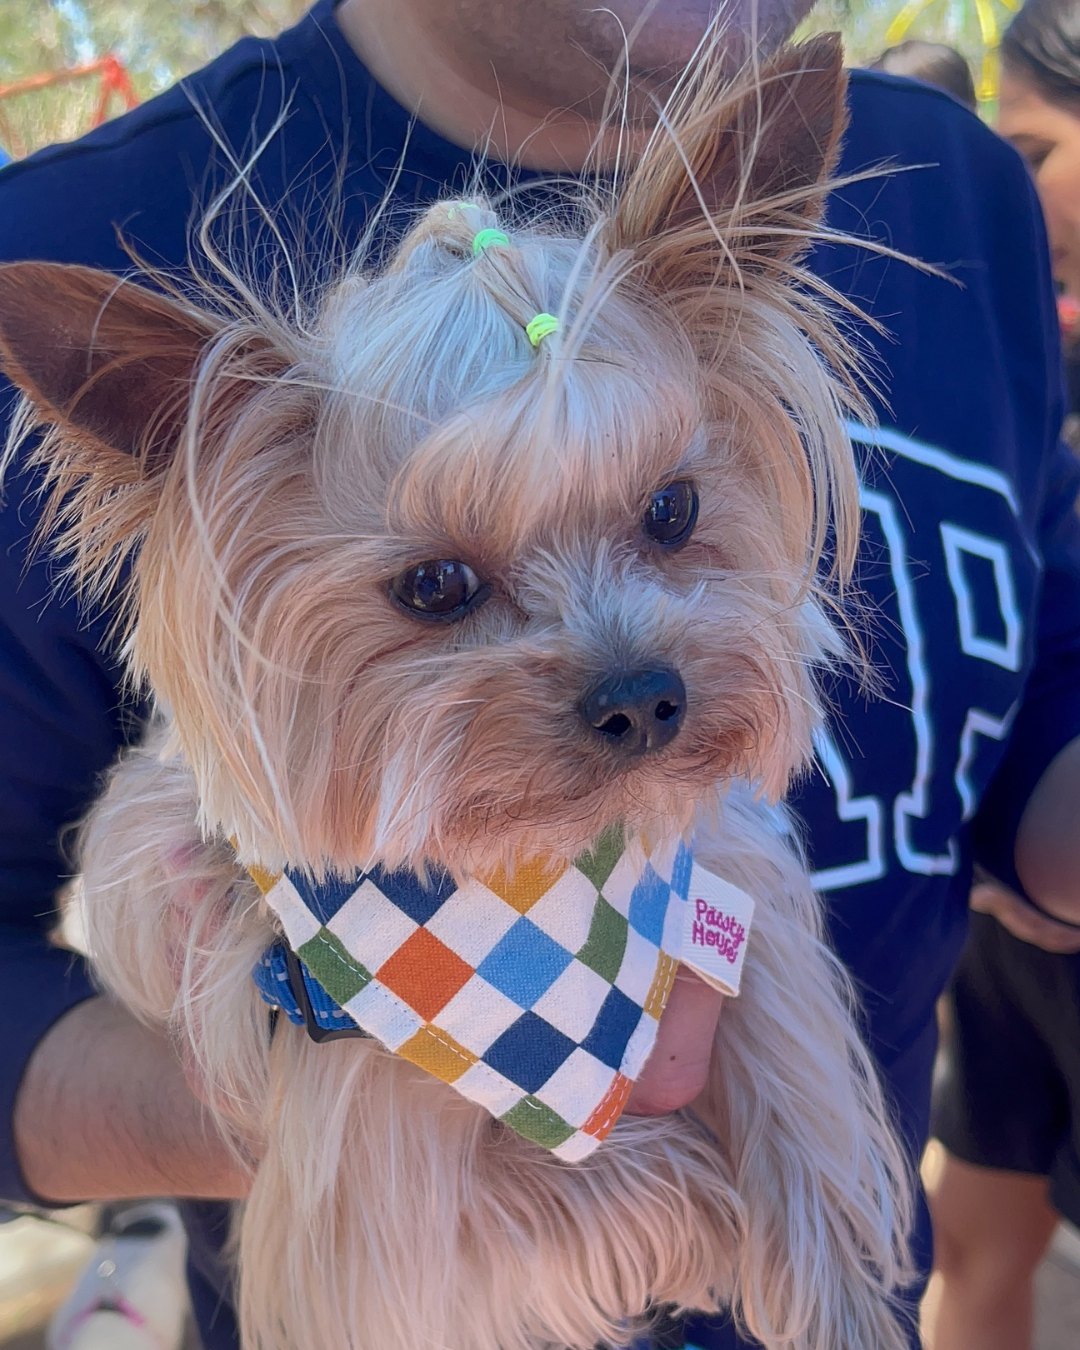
(66, 65)
(56, 76)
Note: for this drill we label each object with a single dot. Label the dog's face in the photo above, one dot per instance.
(413, 588)
(565, 602)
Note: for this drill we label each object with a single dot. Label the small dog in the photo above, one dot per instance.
(419, 583)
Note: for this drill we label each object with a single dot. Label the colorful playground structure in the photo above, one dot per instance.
(114, 85)
(988, 21)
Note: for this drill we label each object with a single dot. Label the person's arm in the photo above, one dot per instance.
(1047, 859)
(104, 1112)
(1026, 834)
(1023, 919)
(1047, 849)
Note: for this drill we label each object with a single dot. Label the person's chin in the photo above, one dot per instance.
(673, 32)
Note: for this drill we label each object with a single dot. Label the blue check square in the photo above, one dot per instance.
(524, 964)
(405, 889)
(529, 1051)
(648, 905)
(611, 1032)
(324, 898)
(680, 872)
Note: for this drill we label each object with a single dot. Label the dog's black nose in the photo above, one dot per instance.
(636, 711)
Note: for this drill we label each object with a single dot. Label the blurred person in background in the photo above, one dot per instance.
(1007, 1103)
(972, 543)
(933, 63)
(1039, 111)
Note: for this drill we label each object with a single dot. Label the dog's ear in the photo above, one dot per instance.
(106, 360)
(736, 178)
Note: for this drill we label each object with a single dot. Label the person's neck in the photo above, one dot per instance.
(403, 59)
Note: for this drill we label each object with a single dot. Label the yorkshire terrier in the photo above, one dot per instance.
(535, 534)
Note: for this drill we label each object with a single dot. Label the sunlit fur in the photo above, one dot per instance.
(305, 716)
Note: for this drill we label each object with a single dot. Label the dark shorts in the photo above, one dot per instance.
(1008, 1088)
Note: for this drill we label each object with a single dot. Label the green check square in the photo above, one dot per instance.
(538, 1122)
(598, 863)
(606, 943)
(341, 975)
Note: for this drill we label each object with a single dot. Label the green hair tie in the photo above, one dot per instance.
(486, 238)
(540, 327)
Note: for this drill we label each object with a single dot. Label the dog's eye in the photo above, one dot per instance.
(671, 514)
(440, 589)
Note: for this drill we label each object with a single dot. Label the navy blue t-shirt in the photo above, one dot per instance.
(971, 557)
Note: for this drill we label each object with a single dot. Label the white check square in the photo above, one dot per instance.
(573, 1001)
(663, 857)
(673, 924)
(577, 1147)
(477, 1015)
(371, 926)
(638, 969)
(384, 1015)
(488, 1088)
(639, 1047)
(625, 875)
(299, 923)
(472, 921)
(576, 1086)
(565, 912)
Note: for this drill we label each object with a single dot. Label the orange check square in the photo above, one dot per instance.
(425, 973)
(602, 1121)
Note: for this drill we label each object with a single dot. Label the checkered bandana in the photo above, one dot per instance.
(537, 996)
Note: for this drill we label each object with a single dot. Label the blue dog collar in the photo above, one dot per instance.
(276, 980)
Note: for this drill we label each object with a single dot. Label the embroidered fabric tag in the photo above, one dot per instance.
(537, 996)
(716, 924)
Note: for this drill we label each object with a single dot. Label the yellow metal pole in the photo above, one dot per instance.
(903, 21)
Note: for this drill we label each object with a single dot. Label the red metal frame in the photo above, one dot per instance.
(114, 80)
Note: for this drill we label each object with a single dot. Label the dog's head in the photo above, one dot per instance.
(415, 583)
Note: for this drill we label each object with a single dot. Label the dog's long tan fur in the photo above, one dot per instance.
(268, 479)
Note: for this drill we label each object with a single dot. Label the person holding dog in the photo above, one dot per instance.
(972, 558)
(1006, 1106)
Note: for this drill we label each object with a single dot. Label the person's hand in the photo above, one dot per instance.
(1020, 918)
